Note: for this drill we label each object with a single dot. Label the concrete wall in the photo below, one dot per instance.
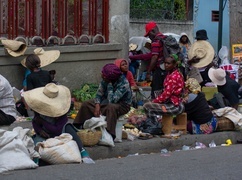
(137, 27)
(80, 63)
(203, 20)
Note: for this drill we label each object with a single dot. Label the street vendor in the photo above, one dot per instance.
(169, 101)
(113, 99)
(51, 104)
(200, 117)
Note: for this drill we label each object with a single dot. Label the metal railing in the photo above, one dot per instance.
(58, 21)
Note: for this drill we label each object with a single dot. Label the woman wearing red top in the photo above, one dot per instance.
(169, 102)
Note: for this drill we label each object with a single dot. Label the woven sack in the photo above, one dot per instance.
(89, 137)
(225, 124)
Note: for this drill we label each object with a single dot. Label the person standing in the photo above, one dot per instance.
(204, 55)
(157, 58)
(185, 44)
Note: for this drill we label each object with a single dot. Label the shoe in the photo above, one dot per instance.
(239, 141)
(145, 136)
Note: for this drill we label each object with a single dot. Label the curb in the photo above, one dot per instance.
(155, 144)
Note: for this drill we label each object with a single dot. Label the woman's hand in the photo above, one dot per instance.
(44, 134)
(97, 111)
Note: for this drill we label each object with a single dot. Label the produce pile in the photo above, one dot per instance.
(135, 116)
(86, 92)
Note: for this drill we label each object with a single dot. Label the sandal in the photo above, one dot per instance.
(145, 136)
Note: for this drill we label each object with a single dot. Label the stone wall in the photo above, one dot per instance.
(137, 27)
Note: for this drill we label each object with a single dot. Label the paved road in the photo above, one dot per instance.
(221, 163)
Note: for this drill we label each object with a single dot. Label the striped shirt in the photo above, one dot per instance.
(157, 48)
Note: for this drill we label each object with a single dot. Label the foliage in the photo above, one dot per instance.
(86, 92)
(158, 9)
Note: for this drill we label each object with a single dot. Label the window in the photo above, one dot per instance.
(215, 16)
(59, 18)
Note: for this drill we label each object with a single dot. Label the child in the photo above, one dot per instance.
(34, 62)
(123, 65)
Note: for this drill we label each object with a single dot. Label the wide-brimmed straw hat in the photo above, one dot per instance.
(46, 57)
(217, 76)
(14, 48)
(132, 47)
(52, 100)
(203, 50)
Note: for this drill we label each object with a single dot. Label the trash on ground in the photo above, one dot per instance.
(212, 144)
(165, 152)
(228, 143)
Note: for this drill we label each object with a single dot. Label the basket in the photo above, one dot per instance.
(224, 124)
(89, 137)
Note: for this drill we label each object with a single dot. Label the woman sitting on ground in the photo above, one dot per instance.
(169, 102)
(199, 115)
(51, 104)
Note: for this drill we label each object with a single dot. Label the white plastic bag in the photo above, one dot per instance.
(95, 122)
(106, 138)
(13, 152)
(60, 150)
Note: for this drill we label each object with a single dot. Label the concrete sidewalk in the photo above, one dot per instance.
(153, 145)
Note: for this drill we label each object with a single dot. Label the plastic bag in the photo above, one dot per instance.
(106, 138)
(151, 126)
(95, 122)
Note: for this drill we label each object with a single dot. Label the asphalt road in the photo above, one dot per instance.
(221, 163)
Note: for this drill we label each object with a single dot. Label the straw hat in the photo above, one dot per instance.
(203, 50)
(193, 85)
(133, 47)
(217, 76)
(52, 100)
(46, 57)
(14, 48)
